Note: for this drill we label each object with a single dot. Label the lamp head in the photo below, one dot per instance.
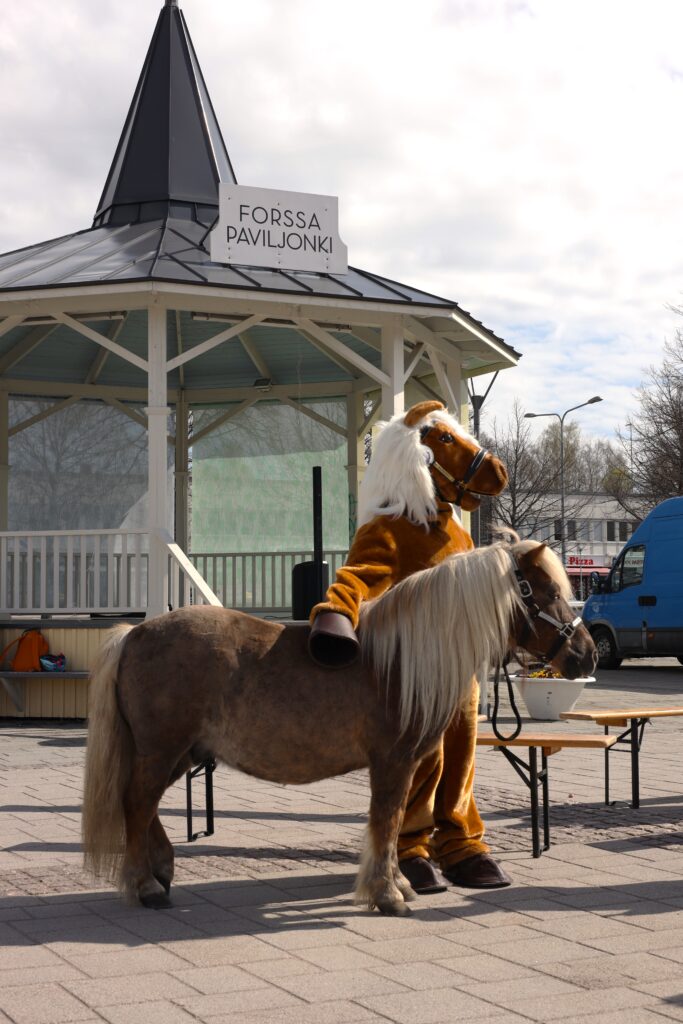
(593, 400)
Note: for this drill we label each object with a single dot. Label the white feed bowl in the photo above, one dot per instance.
(547, 699)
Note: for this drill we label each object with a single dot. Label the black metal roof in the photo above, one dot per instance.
(171, 150)
(177, 249)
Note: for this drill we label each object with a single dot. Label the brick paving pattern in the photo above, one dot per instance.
(264, 929)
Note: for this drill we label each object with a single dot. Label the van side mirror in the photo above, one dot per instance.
(596, 583)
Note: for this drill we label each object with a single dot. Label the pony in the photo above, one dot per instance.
(206, 682)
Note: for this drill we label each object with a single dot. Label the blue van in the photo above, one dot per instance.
(637, 611)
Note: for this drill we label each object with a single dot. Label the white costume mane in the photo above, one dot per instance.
(448, 623)
(398, 482)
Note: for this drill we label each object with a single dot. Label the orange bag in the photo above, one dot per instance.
(30, 646)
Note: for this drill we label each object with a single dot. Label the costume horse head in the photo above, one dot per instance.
(422, 457)
(209, 682)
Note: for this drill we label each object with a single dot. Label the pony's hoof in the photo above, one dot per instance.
(156, 901)
(392, 908)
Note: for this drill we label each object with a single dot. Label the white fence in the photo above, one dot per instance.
(257, 581)
(76, 572)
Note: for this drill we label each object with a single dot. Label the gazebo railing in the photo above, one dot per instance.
(71, 572)
(257, 581)
(81, 572)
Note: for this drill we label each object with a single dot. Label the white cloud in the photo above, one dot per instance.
(519, 157)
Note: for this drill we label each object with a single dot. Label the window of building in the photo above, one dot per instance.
(583, 529)
(545, 532)
(611, 529)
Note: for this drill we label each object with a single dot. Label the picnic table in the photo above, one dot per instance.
(632, 721)
(528, 771)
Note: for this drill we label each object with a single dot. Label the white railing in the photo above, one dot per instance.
(257, 581)
(73, 572)
(81, 572)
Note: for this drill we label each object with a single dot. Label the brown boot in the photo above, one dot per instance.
(478, 872)
(423, 875)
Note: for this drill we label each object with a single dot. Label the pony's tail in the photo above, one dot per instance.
(107, 764)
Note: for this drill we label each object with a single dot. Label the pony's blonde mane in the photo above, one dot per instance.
(448, 624)
(550, 562)
(397, 482)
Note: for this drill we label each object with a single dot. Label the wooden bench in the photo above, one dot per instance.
(548, 744)
(13, 682)
(632, 721)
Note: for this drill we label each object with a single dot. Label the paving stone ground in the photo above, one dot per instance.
(264, 928)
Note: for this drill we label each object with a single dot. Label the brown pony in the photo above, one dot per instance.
(208, 682)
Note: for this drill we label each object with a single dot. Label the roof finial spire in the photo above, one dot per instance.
(171, 3)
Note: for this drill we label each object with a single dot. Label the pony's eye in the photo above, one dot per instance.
(446, 439)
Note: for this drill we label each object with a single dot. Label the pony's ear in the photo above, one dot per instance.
(419, 411)
(533, 555)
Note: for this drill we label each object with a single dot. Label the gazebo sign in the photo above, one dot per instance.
(265, 227)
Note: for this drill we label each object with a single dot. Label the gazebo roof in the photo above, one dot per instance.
(151, 230)
(177, 249)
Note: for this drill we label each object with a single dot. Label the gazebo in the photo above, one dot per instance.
(133, 312)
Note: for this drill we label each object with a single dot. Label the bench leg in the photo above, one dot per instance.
(531, 777)
(533, 787)
(206, 768)
(632, 737)
(546, 814)
(635, 761)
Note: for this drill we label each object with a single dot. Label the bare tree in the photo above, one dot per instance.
(648, 468)
(531, 503)
(82, 467)
(529, 500)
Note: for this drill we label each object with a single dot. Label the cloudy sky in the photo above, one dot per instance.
(521, 157)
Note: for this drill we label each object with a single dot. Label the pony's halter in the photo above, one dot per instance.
(565, 630)
(461, 485)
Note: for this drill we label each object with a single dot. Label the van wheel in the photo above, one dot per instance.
(606, 648)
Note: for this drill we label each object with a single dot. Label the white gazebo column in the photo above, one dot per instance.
(181, 473)
(393, 366)
(4, 460)
(157, 417)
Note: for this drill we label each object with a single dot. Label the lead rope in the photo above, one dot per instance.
(494, 717)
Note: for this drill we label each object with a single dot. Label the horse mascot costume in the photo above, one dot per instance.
(206, 682)
(423, 463)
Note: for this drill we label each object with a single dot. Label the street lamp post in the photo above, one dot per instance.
(560, 417)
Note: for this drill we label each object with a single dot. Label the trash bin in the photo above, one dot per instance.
(307, 587)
